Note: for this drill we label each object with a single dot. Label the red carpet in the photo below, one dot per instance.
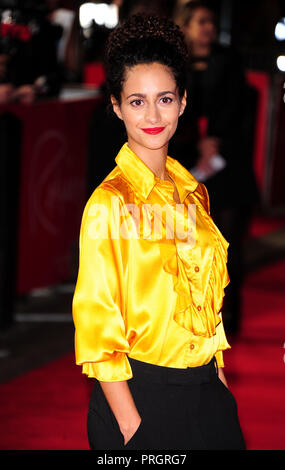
(256, 362)
(46, 408)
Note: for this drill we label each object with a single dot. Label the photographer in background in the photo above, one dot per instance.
(29, 67)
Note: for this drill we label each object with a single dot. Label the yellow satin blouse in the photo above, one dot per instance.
(151, 277)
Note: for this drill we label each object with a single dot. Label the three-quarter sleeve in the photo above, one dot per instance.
(219, 358)
(222, 342)
(99, 297)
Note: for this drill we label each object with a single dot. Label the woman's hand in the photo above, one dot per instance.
(6, 93)
(123, 406)
(25, 94)
(130, 429)
(208, 147)
(222, 376)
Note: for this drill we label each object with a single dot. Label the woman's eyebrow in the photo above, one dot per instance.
(142, 95)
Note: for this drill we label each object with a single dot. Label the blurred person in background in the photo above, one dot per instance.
(28, 62)
(214, 139)
(69, 47)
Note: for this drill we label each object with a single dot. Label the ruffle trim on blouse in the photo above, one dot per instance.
(198, 306)
(200, 316)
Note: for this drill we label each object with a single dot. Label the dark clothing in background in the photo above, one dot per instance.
(34, 58)
(221, 94)
(107, 134)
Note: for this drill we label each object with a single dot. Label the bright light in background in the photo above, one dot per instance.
(101, 13)
(281, 63)
(280, 30)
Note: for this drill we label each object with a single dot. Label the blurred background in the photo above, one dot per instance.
(58, 141)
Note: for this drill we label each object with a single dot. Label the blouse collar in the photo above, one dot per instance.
(143, 178)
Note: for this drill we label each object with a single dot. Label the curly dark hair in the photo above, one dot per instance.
(144, 39)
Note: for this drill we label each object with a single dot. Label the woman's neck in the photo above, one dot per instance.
(154, 159)
(200, 50)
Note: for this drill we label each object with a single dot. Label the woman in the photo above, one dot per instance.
(219, 123)
(147, 304)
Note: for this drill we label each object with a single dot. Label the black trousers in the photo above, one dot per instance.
(181, 409)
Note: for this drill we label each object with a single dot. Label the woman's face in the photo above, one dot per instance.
(201, 28)
(150, 106)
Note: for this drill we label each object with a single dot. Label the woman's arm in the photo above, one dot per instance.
(98, 306)
(222, 376)
(123, 406)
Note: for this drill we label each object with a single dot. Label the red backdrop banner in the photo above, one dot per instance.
(53, 188)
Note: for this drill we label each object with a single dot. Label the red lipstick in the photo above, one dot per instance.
(153, 130)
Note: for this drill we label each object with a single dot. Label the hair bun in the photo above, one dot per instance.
(146, 27)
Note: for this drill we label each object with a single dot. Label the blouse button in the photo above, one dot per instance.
(197, 268)
(192, 346)
(199, 307)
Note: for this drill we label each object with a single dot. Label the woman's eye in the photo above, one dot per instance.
(136, 103)
(166, 100)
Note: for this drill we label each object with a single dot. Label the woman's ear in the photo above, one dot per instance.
(183, 103)
(116, 107)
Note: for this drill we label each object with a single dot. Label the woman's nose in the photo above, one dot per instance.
(152, 114)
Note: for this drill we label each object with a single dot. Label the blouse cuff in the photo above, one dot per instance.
(114, 370)
(219, 358)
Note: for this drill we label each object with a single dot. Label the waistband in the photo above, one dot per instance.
(159, 374)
